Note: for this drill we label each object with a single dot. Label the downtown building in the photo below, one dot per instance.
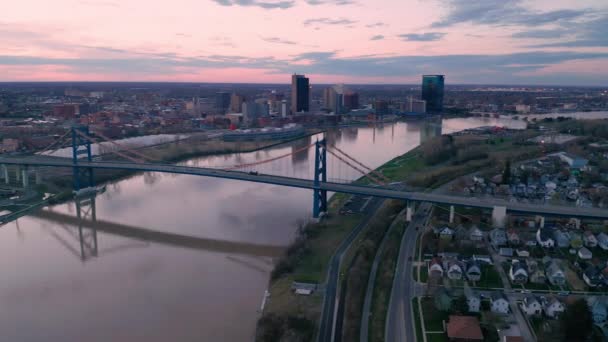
(300, 94)
(339, 100)
(432, 92)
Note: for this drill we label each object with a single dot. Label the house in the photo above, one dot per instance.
(445, 233)
(576, 241)
(435, 268)
(544, 237)
(513, 237)
(531, 306)
(455, 270)
(584, 254)
(593, 276)
(499, 303)
(484, 259)
(506, 252)
(562, 239)
(575, 162)
(602, 240)
(597, 306)
(463, 328)
(536, 272)
(498, 237)
(518, 272)
(522, 253)
(589, 240)
(443, 300)
(531, 242)
(461, 233)
(475, 234)
(552, 307)
(554, 272)
(473, 300)
(473, 270)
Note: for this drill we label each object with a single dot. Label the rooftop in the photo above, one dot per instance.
(464, 327)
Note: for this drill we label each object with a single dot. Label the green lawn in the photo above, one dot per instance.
(424, 273)
(436, 337)
(433, 318)
(489, 278)
(417, 322)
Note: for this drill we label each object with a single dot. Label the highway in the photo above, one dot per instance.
(488, 203)
(327, 321)
(399, 322)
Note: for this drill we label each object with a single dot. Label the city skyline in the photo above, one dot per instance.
(332, 41)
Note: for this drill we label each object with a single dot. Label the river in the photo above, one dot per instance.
(54, 289)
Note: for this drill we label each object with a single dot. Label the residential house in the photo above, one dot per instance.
(484, 259)
(531, 242)
(593, 276)
(498, 237)
(455, 269)
(552, 307)
(597, 306)
(463, 328)
(461, 233)
(562, 239)
(531, 306)
(513, 237)
(435, 268)
(506, 252)
(576, 241)
(584, 254)
(554, 272)
(475, 234)
(473, 300)
(499, 303)
(445, 233)
(522, 253)
(536, 272)
(473, 270)
(518, 272)
(602, 240)
(544, 237)
(443, 300)
(589, 240)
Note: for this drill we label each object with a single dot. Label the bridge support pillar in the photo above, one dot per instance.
(25, 177)
(499, 216)
(409, 211)
(319, 204)
(541, 221)
(38, 177)
(452, 212)
(18, 173)
(5, 174)
(83, 177)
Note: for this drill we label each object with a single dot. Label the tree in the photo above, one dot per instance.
(576, 322)
(506, 174)
(460, 305)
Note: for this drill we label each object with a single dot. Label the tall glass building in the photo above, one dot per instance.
(432, 92)
(300, 94)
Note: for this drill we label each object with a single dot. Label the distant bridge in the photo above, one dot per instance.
(320, 186)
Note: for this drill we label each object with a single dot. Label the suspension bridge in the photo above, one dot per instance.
(83, 163)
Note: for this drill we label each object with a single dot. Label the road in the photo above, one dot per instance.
(371, 282)
(356, 189)
(399, 322)
(328, 314)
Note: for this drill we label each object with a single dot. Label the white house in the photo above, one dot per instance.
(475, 234)
(602, 241)
(552, 307)
(473, 270)
(584, 254)
(598, 309)
(555, 274)
(454, 270)
(473, 300)
(499, 304)
(518, 274)
(589, 239)
(544, 237)
(435, 268)
(531, 306)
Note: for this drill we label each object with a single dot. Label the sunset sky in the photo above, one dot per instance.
(352, 41)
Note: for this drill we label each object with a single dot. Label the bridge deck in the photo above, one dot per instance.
(527, 208)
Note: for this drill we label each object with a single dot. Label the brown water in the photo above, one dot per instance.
(189, 283)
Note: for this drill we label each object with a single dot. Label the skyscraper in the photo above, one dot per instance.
(236, 103)
(222, 102)
(432, 92)
(300, 94)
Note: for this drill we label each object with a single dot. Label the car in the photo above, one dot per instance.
(253, 173)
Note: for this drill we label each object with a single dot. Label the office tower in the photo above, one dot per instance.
(252, 110)
(432, 92)
(222, 102)
(333, 99)
(300, 94)
(351, 101)
(236, 103)
(412, 105)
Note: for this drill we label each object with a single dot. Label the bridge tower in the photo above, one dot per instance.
(320, 196)
(81, 145)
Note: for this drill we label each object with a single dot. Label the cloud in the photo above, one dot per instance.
(422, 37)
(587, 34)
(277, 40)
(268, 4)
(502, 12)
(377, 24)
(331, 2)
(377, 37)
(329, 21)
(556, 33)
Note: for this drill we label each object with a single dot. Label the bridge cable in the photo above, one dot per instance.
(370, 170)
(372, 178)
(124, 148)
(91, 139)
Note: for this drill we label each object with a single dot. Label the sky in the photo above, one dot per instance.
(554, 42)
